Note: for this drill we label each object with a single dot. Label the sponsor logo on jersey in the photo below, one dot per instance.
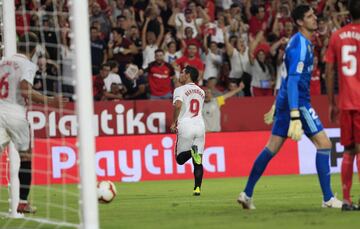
(300, 67)
(161, 76)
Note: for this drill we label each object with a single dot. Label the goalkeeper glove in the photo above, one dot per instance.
(295, 129)
(269, 116)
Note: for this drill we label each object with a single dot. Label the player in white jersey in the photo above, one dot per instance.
(188, 123)
(16, 79)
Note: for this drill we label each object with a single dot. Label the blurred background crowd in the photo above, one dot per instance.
(138, 47)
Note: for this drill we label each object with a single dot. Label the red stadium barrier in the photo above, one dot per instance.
(136, 157)
(155, 116)
(151, 157)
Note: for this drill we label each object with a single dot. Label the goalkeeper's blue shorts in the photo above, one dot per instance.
(310, 121)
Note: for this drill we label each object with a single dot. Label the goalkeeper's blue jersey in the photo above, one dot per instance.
(296, 73)
(295, 88)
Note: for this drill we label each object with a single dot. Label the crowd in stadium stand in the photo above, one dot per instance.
(139, 46)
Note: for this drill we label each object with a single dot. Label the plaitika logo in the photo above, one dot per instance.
(130, 164)
(118, 122)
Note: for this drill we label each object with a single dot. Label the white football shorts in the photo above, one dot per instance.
(190, 134)
(14, 128)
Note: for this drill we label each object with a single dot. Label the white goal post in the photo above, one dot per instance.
(9, 37)
(79, 19)
(85, 110)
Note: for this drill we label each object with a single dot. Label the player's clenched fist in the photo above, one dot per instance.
(295, 129)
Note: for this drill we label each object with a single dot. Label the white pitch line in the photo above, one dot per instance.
(44, 221)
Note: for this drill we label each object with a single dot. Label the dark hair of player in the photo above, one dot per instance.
(354, 9)
(194, 73)
(299, 12)
(27, 43)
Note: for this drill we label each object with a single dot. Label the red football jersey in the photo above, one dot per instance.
(196, 62)
(160, 78)
(344, 50)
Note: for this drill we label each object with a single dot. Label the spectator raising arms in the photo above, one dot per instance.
(121, 49)
(237, 53)
(129, 32)
(150, 42)
(213, 59)
(211, 109)
(160, 75)
(191, 60)
(188, 19)
(170, 47)
(262, 81)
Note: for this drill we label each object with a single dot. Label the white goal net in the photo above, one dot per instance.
(63, 187)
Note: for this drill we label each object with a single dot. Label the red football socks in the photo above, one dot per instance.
(347, 173)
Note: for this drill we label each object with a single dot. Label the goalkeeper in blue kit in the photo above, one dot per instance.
(293, 112)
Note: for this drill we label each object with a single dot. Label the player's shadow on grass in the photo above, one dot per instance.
(296, 210)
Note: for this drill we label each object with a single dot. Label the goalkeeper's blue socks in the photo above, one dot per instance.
(323, 171)
(257, 170)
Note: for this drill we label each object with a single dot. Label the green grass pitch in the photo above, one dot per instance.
(281, 201)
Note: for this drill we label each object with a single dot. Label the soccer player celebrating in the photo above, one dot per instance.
(188, 123)
(16, 79)
(344, 52)
(294, 114)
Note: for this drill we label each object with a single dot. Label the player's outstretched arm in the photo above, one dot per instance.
(229, 48)
(235, 91)
(29, 93)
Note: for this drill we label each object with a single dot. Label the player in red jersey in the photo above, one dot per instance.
(344, 52)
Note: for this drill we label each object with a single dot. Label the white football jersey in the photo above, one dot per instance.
(12, 71)
(192, 97)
